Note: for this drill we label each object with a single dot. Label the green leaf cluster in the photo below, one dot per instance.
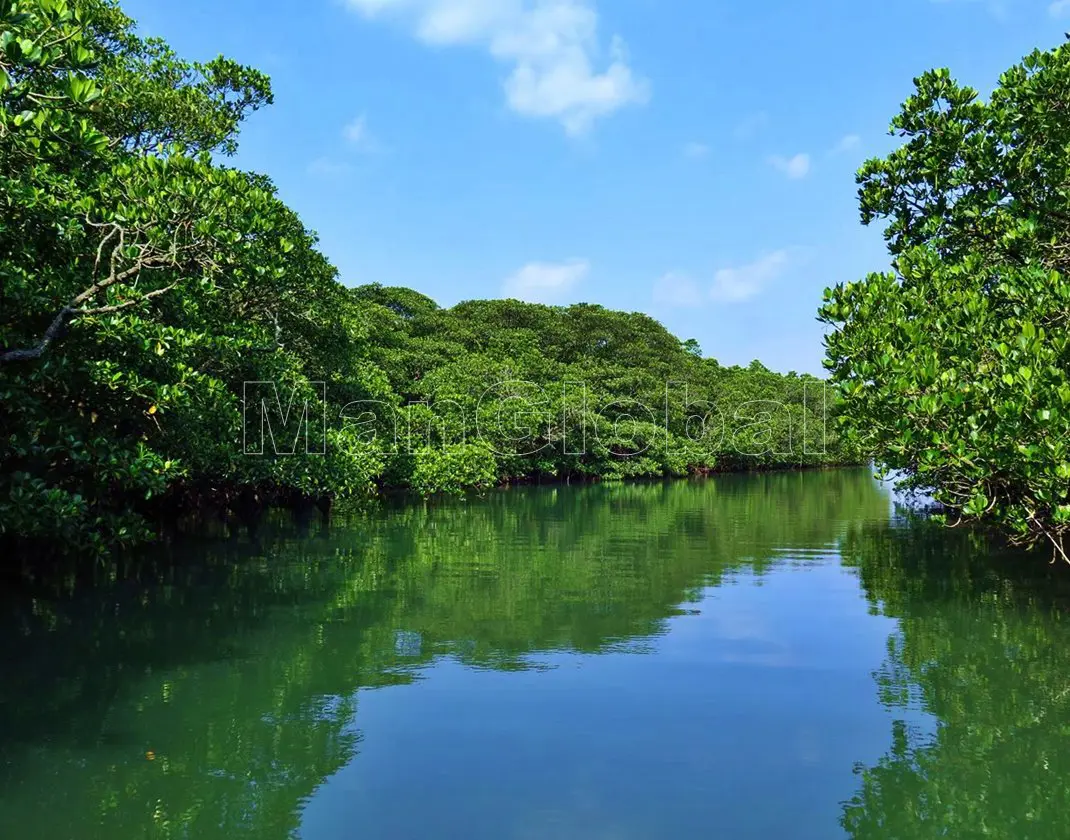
(143, 283)
(954, 367)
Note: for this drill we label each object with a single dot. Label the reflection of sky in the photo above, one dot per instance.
(900, 499)
(744, 720)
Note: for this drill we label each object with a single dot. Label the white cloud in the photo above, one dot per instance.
(730, 285)
(1059, 9)
(674, 289)
(357, 131)
(359, 136)
(696, 150)
(545, 282)
(794, 167)
(851, 141)
(751, 125)
(551, 46)
(733, 285)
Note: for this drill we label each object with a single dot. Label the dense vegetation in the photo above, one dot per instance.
(577, 391)
(955, 368)
(143, 282)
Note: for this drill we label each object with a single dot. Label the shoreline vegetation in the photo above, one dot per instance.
(146, 284)
(954, 368)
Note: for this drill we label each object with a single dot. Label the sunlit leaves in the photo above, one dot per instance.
(955, 368)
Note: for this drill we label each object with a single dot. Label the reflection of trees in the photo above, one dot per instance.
(238, 667)
(984, 646)
(581, 570)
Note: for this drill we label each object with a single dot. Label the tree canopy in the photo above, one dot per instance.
(953, 368)
(145, 283)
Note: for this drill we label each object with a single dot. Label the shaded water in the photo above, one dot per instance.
(768, 656)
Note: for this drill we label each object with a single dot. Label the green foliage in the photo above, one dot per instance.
(954, 368)
(583, 391)
(143, 284)
(453, 468)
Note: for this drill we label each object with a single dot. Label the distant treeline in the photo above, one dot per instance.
(144, 283)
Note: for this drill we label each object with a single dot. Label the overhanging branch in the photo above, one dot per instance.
(147, 258)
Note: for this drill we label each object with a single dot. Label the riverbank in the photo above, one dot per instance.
(231, 510)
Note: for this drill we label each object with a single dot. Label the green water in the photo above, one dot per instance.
(772, 657)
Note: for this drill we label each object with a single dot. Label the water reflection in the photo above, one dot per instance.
(983, 647)
(212, 691)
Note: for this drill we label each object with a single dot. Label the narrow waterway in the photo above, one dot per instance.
(770, 656)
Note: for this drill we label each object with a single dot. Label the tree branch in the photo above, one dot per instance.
(54, 331)
(59, 323)
(116, 236)
(126, 304)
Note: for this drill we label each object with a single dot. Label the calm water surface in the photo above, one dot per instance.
(774, 657)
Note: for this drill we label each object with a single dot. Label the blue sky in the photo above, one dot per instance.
(692, 159)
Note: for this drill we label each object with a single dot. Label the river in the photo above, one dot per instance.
(778, 656)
